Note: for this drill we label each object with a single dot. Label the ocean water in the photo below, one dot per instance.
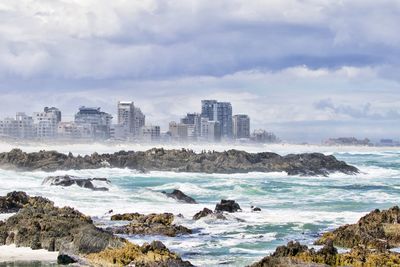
(293, 207)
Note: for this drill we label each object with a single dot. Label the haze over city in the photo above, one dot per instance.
(305, 70)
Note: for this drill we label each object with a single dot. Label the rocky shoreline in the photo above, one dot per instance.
(159, 159)
(369, 242)
(39, 224)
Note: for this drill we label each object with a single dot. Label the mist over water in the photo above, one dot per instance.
(292, 207)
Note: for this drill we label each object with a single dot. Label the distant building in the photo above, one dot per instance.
(195, 120)
(207, 109)
(55, 111)
(100, 121)
(150, 133)
(47, 122)
(9, 128)
(140, 120)
(180, 131)
(72, 131)
(348, 141)
(126, 116)
(210, 130)
(241, 126)
(221, 112)
(262, 136)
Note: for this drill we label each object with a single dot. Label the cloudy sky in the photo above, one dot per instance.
(305, 69)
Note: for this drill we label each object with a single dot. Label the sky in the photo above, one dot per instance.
(304, 69)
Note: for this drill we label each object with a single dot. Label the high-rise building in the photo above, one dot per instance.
(221, 112)
(126, 116)
(100, 121)
(140, 120)
(207, 109)
(241, 126)
(47, 122)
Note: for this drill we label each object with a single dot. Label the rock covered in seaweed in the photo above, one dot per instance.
(41, 225)
(378, 229)
(152, 224)
(13, 202)
(159, 159)
(295, 254)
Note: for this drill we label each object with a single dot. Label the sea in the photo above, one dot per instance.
(292, 207)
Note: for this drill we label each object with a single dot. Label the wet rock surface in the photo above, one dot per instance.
(369, 241)
(13, 202)
(208, 213)
(378, 230)
(180, 196)
(68, 180)
(159, 159)
(295, 254)
(227, 206)
(39, 224)
(152, 224)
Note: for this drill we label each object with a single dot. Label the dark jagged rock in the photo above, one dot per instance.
(203, 213)
(180, 196)
(13, 202)
(64, 259)
(207, 212)
(253, 208)
(231, 161)
(378, 229)
(41, 225)
(295, 254)
(68, 180)
(228, 206)
(152, 224)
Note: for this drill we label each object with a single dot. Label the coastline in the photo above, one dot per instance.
(111, 147)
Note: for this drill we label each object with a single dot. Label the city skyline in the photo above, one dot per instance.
(331, 69)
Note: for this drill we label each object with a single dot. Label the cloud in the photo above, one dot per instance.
(286, 63)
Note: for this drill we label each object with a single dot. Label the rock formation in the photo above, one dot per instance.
(378, 229)
(208, 213)
(152, 224)
(39, 224)
(180, 196)
(228, 206)
(68, 180)
(369, 240)
(13, 202)
(295, 254)
(231, 161)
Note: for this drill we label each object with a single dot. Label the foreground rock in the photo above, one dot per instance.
(152, 224)
(13, 202)
(68, 180)
(152, 255)
(231, 161)
(378, 229)
(180, 196)
(41, 225)
(295, 254)
(228, 206)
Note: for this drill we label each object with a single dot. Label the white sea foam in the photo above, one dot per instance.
(12, 253)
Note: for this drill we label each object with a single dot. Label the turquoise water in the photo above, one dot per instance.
(293, 207)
